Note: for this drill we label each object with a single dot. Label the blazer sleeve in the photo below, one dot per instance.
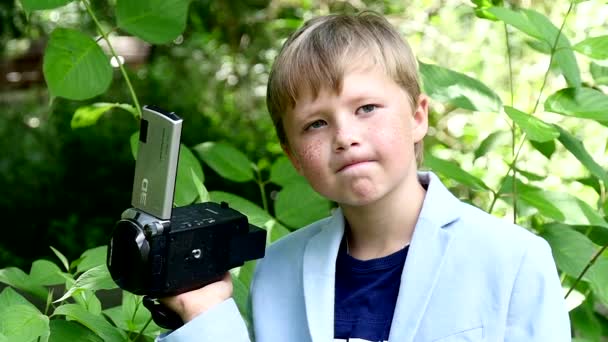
(223, 322)
(537, 309)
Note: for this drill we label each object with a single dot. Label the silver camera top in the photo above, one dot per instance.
(156, 165)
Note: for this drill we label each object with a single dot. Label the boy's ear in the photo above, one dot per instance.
(292, 158)
(420, 124)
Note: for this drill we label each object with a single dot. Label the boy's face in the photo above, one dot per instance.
(356, 147)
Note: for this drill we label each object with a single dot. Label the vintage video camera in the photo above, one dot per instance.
(157, 250)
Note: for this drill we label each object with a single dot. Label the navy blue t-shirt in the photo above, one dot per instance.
(366, 294)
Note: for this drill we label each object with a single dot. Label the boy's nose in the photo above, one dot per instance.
(345, 139)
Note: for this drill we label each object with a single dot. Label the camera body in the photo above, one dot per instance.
(157, 250)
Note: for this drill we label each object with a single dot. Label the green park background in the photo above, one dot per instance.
(519, 128)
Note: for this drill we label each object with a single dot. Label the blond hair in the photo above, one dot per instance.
(318, 54)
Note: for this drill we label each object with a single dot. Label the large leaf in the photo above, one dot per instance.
(576, 211)
(283, 173)
(188, 167)
(256, 215)
(540, 27)
(74, 66)
(10, 297)
(18, 279)
(96, 323)
(88, 115)
(226, 160)
(458, 89)
(544, 206)
(298, 205)
(156, 21)
(23, 323)
(571, 249)
(135, 316)
(97, 278)
(599, 73)
(581, 102)
(453, 171)
(92, 258)
(493, 140)
(44, 272)
(534, 128)
(62, 331)
(33, 5)
(594, 47)
(545, 148)
(576, 147)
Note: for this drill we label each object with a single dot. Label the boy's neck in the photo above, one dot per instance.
(386, 226)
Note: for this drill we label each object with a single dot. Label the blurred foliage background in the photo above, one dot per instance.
(66, 187)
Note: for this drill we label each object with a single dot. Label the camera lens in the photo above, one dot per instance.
(128, 257)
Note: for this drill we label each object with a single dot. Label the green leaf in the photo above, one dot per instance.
(597, 234)
(96, 278)
(540, 27)
(74, 66)
(87, 299)
(283, 173)
(576, 147)
(298, 205)
(34, 5)
(275, 231)
(18, 279)
(492, 141)
(458, 89)
(203, 194)
(185, 184)
(134, 143)
(594, 47)
(92, 258)
(226, 160)
(132, 315)
(581, 102)
(598, 278)
(62, 258)
(546, 148)
(241, 297)
(537, 200)
(44, 272)
(534, 128)
(23, 323)
(10, 297)
(576, 211)
(571, 249)
(97, 323)
(88, 115)
(62, 330)
(529, 175)
(156, 21)
(599, 73)
(453, 171)
(586, 322)
(256, 215)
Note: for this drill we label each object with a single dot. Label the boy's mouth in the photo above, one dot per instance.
(352, 164)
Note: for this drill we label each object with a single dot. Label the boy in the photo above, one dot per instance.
(401, 259)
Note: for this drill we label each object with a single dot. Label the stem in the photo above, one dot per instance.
(513, 127)
(587, 267)
(540, 93)
(120, 65)
(262, 186)
(142, 329)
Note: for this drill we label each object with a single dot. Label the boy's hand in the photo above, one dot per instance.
(190, 304)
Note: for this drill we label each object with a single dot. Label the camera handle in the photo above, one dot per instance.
(162, 316)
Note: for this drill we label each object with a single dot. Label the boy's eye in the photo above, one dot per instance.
(315, 125)
(368, 108)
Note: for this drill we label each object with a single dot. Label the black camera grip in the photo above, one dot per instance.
(162, 316)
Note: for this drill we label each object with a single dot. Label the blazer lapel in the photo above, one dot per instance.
(427, 251)
(319, 271)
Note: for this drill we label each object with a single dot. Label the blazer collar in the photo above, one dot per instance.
(425, 257)
(424, 260)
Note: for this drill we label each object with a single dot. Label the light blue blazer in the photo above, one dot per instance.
(468, 276)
